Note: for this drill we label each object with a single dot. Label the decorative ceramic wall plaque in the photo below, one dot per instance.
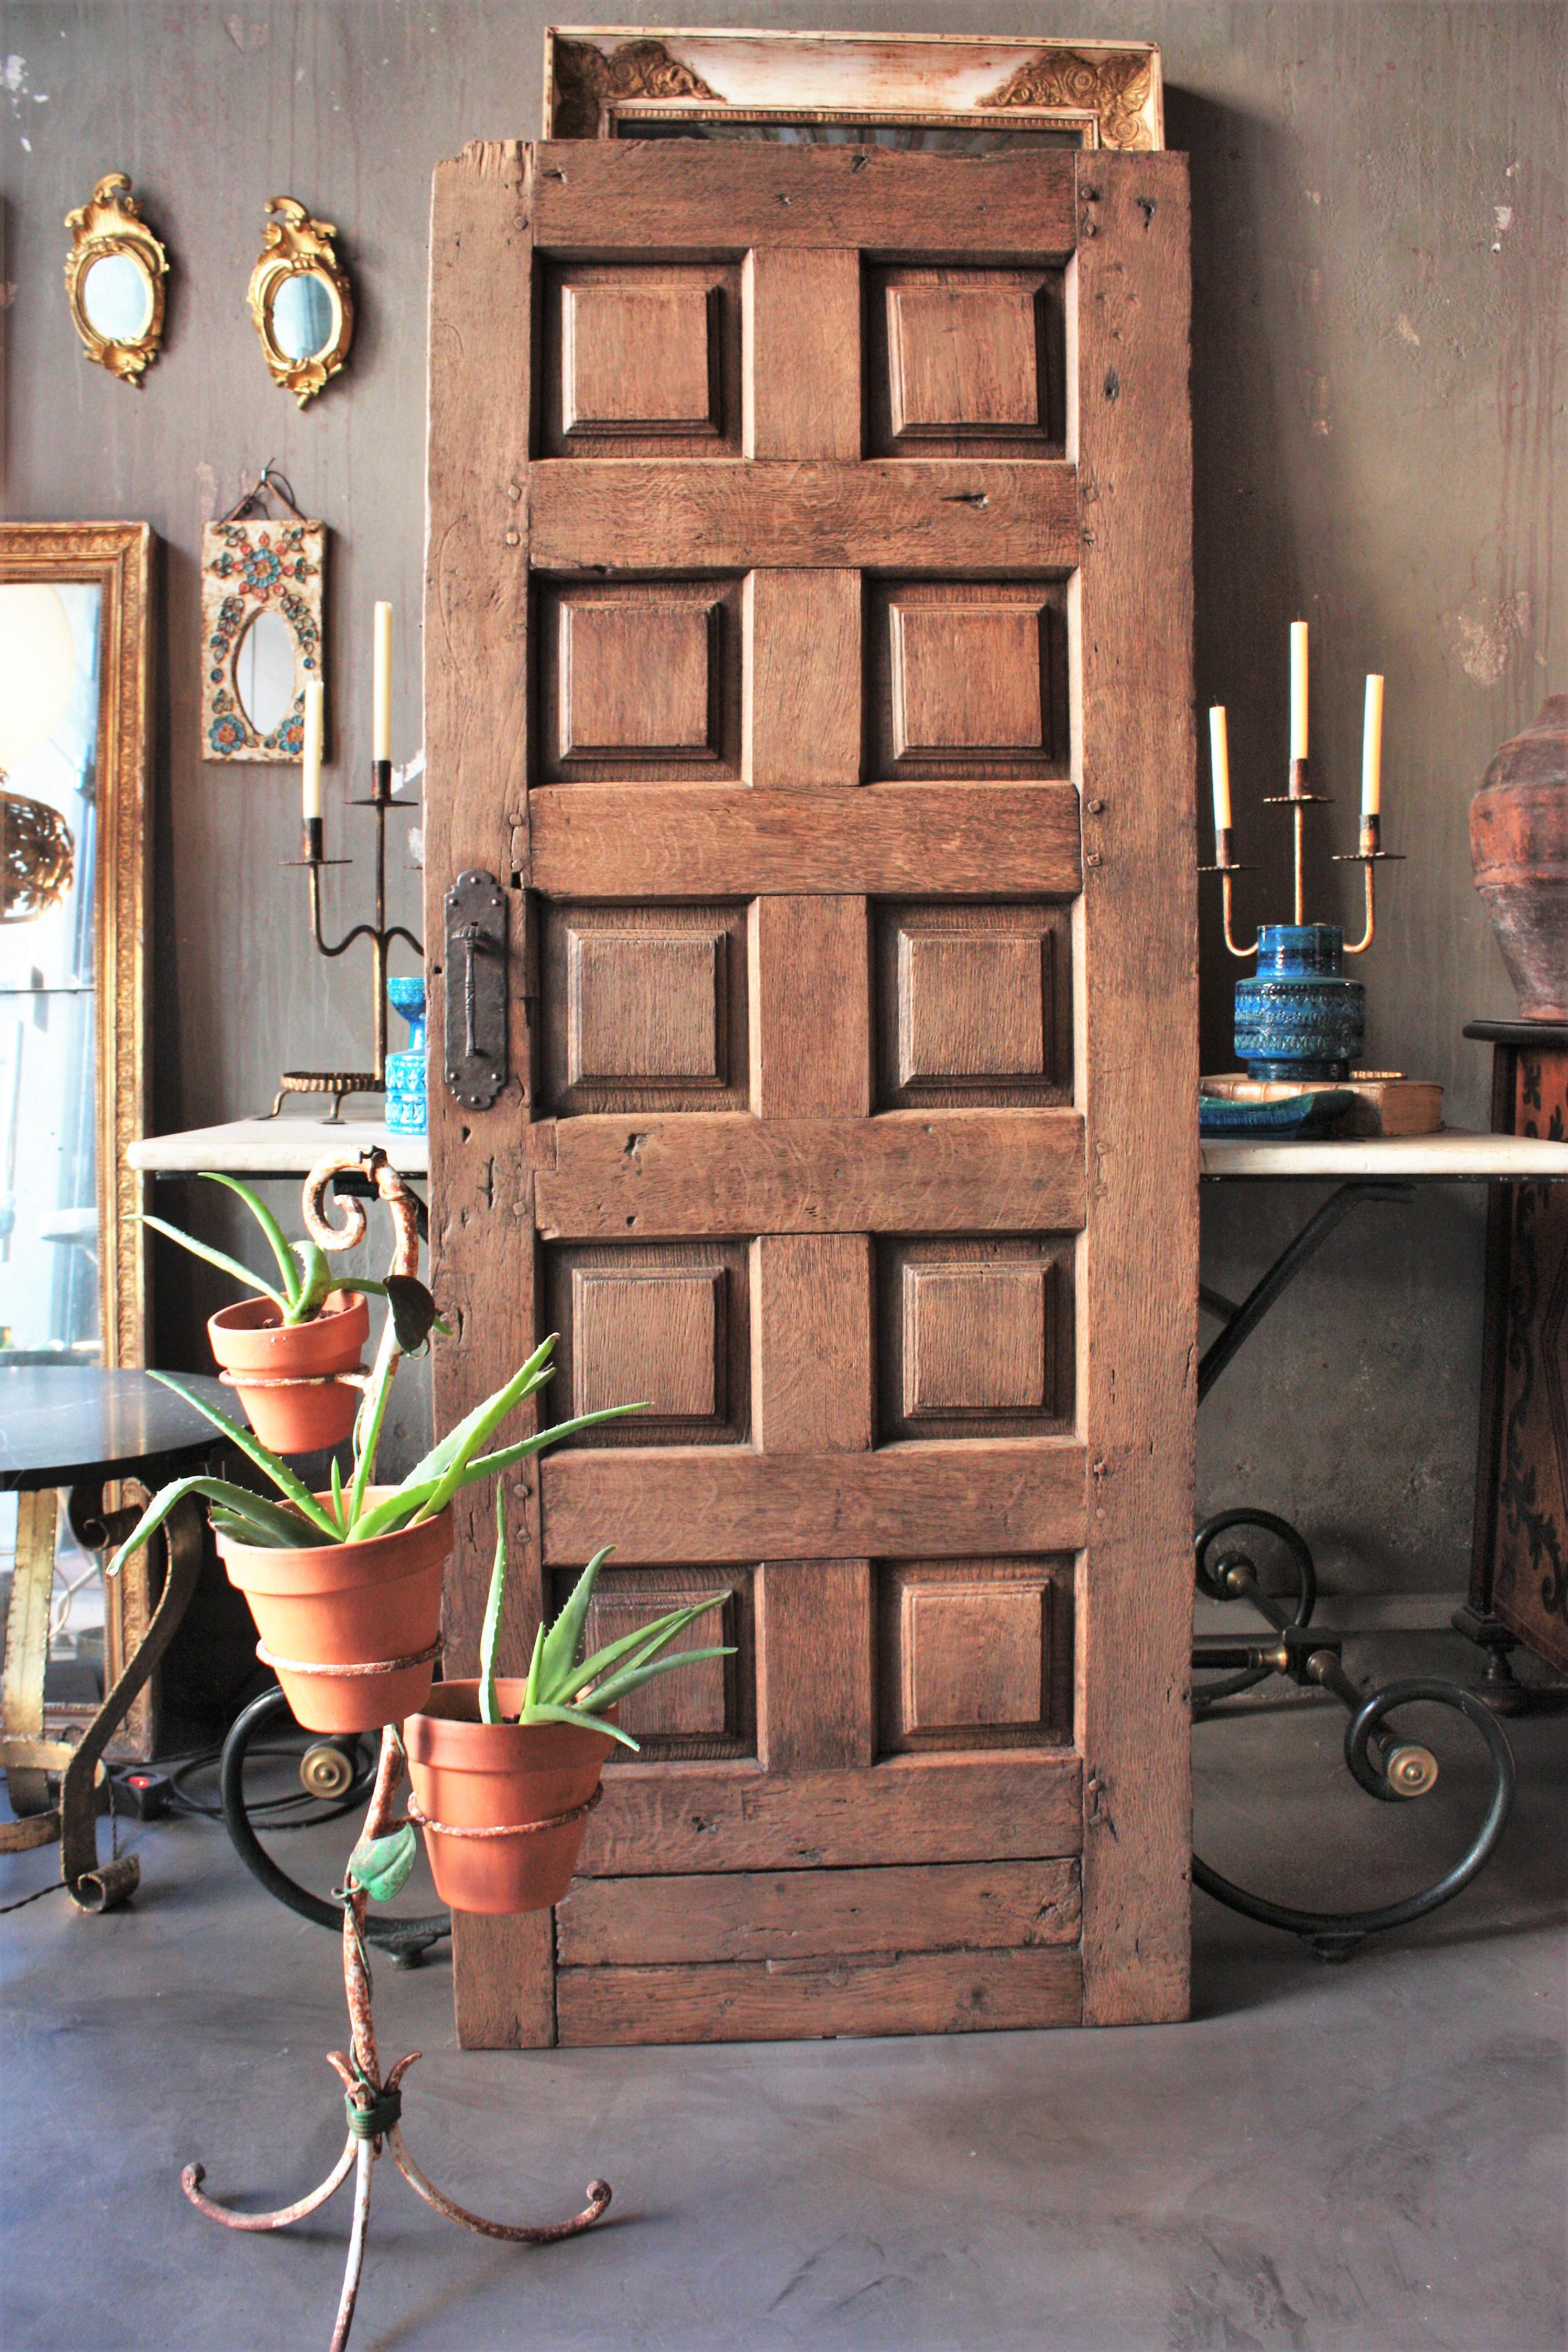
(299, 300)
(114, 280)
(261, 635)
(956, 93)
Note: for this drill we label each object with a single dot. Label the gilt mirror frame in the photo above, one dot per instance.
(295, 245)
(110, 223)
(931, 90)
(115, 557)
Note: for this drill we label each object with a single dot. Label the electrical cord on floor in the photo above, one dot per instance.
(271, 1813)
(55, 1884)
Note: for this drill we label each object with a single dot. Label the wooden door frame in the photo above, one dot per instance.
(1129, 432)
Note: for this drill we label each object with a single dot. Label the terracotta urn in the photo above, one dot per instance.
(361, 1606)
(495, 1777)
(1519, 848)
(252, 1339)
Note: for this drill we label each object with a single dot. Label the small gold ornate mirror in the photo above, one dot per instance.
(114, 280)
(300, 299)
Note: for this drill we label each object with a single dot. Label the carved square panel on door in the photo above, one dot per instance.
(640, 679)
(641, 359)
(975, 1653)
(643, 1008)
(708, 1709)
(965, 362)
(668, 1322)
(975, 1338)
(966, 677)
(973, 1005)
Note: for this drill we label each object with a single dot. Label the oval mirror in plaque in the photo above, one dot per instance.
(264, 671)
(114, 280)
(304, 315)
(299, 300)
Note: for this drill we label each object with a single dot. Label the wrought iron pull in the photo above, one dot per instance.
(475, 1027)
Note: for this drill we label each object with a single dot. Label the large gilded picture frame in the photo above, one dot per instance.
(951, 93)
(116, 559)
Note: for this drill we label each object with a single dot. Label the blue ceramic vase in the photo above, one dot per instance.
(405, 1071)
(1299, 1016)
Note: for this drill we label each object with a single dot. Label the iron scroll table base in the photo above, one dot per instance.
(1392, 1772)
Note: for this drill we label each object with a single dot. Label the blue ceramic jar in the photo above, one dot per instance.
(405, 1070)
(1299, 1016)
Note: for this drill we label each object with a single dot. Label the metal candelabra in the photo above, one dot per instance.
(1369, 853)
(341, 1083)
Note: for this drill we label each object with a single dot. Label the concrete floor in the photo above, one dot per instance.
(1351, 2159)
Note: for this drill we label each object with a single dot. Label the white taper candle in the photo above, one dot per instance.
(381, 727)
(1298, 690)
(1219, 767)
(310, 769)
(1372, 751)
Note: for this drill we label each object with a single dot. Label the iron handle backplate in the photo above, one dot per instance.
(475, 1038)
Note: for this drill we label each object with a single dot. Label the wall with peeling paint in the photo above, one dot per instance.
(1381, 244)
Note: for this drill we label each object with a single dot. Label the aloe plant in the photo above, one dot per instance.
(298, 1520)
(306, 1277)
(563, 1687)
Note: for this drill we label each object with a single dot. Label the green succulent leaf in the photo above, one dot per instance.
(645, 1641)
(489, 1698)
(560, 1642)
(545, 1711)
(269, 1225)
(380, 1866)
(220, 1258)
(277, 1470)
(633, 1677)
(241, 1512)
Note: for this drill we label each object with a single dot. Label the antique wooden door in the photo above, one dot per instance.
(809, 657)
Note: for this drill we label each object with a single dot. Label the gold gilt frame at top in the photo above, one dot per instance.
(293, 245)
(116, 558)
(600, 81)
(111, 222)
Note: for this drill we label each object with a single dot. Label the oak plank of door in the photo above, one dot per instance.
(815, 1676)
(662, 1818)
(801, 714)
(650, 1176)
(810, 988)
(965, 515)
(801, 369)
(476, 704)
(986, 1499)
(769, 2001)
(673, 193)
(883, 841)
(812, 1373)
(783, 1915)
(1138, 1294)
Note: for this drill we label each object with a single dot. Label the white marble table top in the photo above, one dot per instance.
(290, 1147)
(284, 1146)
(1451, 1156)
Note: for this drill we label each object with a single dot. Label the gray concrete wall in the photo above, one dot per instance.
(1379, 263)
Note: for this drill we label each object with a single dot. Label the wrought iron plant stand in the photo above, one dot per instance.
(373, 2101)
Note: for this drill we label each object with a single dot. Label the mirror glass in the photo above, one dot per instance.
(49, 790)
(117, 295)
(304, 315)
(264, 671)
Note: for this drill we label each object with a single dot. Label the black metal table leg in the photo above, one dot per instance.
(1390, 1772)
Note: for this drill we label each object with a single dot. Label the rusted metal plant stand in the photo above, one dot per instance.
(374, 2103)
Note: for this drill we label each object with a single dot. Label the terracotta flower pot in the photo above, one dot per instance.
(252, 1337)
(472, 1775)
(1519, 848)
(348, 1605)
